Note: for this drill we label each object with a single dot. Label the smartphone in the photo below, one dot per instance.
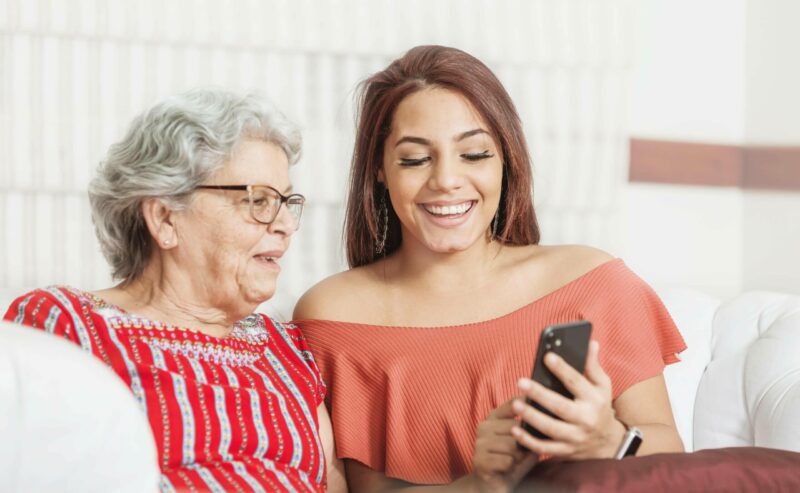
(571, 342)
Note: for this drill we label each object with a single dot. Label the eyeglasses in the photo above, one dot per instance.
(265, 202)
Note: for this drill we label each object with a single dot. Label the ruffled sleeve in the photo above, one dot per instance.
(637, 335)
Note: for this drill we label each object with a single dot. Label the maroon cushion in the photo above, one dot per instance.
(747, 469)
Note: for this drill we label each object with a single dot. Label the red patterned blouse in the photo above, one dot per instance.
(228, 414)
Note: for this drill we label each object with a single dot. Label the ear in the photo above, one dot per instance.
(159, 219)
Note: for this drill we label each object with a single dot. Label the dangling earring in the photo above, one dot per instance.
(495, 222)
(382, 221)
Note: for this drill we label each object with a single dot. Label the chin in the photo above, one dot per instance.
(450, 245)
(264, 292)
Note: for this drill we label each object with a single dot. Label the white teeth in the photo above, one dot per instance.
(448, 210)
(268, 259)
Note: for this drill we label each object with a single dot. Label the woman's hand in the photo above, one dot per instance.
(587, 428)
(499, 463)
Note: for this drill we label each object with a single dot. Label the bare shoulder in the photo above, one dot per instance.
(577, 259)
(337, 297)
(556, 265)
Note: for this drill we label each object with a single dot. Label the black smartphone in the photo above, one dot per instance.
(571, 342)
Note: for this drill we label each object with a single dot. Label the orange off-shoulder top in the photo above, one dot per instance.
(407, 400)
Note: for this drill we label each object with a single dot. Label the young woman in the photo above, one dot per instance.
(426, 341)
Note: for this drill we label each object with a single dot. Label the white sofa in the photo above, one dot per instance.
(738, 384)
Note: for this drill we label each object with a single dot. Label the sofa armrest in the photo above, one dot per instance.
(67, 422)
(749, 393)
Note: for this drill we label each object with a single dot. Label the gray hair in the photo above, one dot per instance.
(169, 150)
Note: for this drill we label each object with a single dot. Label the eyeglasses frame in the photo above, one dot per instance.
(249, 190)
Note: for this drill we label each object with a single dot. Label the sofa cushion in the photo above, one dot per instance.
(744, 469)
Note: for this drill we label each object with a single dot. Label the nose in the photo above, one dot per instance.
(445, 175)
(284, 223)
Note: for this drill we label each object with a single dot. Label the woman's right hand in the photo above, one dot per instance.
(499, 464)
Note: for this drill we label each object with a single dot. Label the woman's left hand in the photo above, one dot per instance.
(587, 428)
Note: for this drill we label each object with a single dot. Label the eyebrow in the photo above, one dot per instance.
(413, 140)
(470, 133)
(426, 142)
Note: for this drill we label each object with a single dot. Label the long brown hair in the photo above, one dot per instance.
(379, 95)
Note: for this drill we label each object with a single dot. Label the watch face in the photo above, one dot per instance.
(635, 442)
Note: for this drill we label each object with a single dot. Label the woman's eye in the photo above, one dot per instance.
(259, 202)
(477, 156)
(414, 162)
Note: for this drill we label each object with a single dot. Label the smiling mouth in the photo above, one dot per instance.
(264, 258)
(449, 210)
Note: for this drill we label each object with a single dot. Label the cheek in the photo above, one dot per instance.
(230, 246)
(404, 192)
(491, 179)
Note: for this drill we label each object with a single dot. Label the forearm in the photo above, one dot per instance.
(659, 438)
(646, 405)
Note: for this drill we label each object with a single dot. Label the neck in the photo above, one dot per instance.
(449, 272)
(174, 298)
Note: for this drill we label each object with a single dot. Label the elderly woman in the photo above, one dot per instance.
(194, 210)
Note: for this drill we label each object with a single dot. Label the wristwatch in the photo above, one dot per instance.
(630, 442)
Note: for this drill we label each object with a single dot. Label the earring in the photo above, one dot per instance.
(382, 221)
(495, 222)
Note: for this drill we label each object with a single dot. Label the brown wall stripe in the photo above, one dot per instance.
(690, 163)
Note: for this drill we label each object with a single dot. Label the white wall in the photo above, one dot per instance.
(771, 241)
(688, 79)
(718, 71)
(773, 72)
(686, 236)
(771, 221)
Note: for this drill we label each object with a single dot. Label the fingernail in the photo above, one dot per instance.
(551, 358)
(518, 406)
(524, 384)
